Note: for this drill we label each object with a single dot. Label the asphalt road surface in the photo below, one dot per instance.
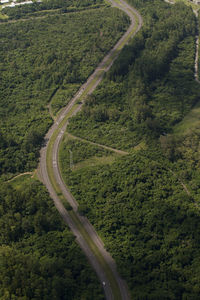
(90, 85)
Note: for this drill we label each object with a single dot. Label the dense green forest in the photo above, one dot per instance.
(145, 205)
(43, 63)
(39, 258)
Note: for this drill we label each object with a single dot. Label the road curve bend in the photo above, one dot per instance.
(117, 290)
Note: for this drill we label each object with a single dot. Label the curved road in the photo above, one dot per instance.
(86, 89)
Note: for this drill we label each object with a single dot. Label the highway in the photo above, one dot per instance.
(121, 290)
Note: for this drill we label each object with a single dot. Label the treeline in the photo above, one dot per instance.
(41, 61)
(39, 258)
(25, 11)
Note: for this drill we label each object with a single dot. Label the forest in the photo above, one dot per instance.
(145, 204)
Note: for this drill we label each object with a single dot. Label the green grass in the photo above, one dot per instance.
(94, 161)
(2, 16)
(190, 122)
(18, 182)
(141, 146)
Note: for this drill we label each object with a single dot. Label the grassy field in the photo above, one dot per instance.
(18, 182)
(2, 16)
(190, 122)
(84, 154)
(94, 161)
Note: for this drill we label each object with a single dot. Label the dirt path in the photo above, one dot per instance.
(99, 145)
(19, 175)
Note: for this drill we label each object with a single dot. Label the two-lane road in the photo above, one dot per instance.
(86, 89)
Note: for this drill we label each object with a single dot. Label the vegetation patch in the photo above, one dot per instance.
(75, 154)
(94, 161)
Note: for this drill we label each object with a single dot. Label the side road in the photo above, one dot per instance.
(114, 287)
